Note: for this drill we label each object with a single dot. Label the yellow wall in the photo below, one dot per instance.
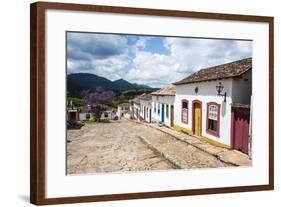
(181, 129)
(211, 141)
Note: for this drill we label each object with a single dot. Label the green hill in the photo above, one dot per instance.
(78, 82)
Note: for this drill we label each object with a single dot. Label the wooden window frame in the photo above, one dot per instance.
(210, 131)
(187, 103)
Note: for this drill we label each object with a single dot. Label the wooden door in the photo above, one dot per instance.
(197, 119)
(172, 116)
(240, 129)
(163, 113)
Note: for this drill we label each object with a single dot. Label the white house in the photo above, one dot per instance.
(85, 112)
(163, 105)
(214, 104)
(135, 107)
(123, 109)
(109, 114)
(145, 107)
(72, 112)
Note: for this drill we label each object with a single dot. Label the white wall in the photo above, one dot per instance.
(121, 110)
(242, 89)
(136, 108)
(144, 106)
(206, 93)
(15, 48)
(158, 101)
(82, 116)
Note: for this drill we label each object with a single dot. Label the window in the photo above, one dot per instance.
(154, 107)
(213, 118)
(158, 110)
(184, 111)
(167, 111)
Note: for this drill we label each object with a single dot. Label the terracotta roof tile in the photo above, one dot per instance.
(137, 99)
(124, 104)
(228, 70)
(168, 91)
(146, 97)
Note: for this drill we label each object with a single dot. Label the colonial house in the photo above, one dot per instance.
(72, 112)
(123, 109)
(135, 106)
(214, 104)
(163, 105)
(145, 107)
(84, 112)
(108, 114)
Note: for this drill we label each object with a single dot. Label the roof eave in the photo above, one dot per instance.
(234, 76)
(163, 94)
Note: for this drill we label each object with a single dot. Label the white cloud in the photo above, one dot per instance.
(112, 57)
(186, 56)
(141, 42)
(156, 70)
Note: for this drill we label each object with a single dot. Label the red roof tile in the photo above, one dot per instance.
(228, 70)
(168, 91)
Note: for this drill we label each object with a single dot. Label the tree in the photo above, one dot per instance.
(98, 99)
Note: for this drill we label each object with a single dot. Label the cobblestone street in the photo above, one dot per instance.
(128, 146)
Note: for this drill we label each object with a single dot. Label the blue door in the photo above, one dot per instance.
(162, 113)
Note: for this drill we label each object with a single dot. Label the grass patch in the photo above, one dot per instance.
(93, 120)
(104, 121)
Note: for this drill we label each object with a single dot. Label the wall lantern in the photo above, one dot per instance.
(219, 89)
(196, 90)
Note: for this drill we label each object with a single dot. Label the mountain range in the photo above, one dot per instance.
(78, 82)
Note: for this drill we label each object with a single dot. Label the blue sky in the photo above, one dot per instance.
(152, 60)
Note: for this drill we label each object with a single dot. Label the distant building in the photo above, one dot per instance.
(84, 112)
(145, 107)
(72, 112)
(214, 104)
(135, 107)
(123, 109)
(109, 114)
(163, 105)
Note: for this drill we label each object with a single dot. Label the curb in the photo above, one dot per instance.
(217, 155)
(179, 139)
(154, 149)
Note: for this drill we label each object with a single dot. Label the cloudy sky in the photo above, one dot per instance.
(151, 60)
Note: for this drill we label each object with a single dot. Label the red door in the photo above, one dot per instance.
(172, 116)
(240, 129)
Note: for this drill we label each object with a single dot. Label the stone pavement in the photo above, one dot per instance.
(110, 147)
(125, 145)
(228, 156)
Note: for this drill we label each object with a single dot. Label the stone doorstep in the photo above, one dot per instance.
(234, 157)
(228, 156)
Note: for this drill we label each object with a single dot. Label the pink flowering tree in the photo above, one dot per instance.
(98, 100)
